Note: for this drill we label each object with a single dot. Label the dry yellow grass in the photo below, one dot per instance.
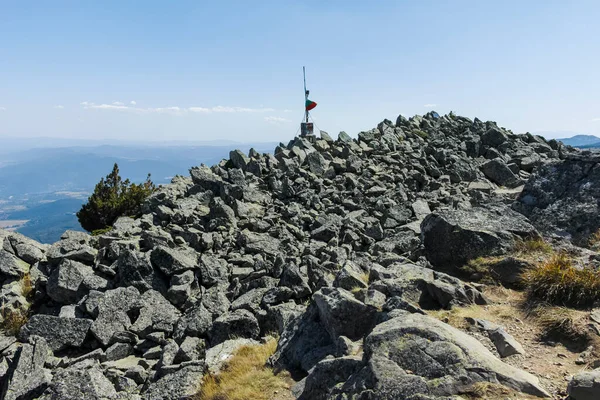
(12, 319)
(558, 282)
(594, 240)
(456, 316)
(537, 245)
(365, 277)
(564, 324)
(26, 286)
(245, 376)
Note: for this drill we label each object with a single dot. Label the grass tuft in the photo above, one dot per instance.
(245, 376)
(565, 325)
(421, 134)
(365, 277)
(557, 281)
(13, 319)
(26, 286)
(594, 241)
(479, 269)
(98, 232)
(537, 245)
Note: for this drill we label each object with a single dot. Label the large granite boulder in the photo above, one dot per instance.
(562, 198)
(453, 237)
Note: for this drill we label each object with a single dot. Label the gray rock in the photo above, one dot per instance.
(156, 314)
(196, 321)
(505, 343)
(213, 270)
(29, 378)
(350, 277)
(26, 249)
(416, 287)
(11, 266)
(561, 198)
(493, 137)
(239, 159)
(178, 385)
(59, 333)
(66, 282)
(343, 315)
(169, 352)
(206, 179)
(442, 357)
(82, 383)
(421, 209)
(191, 349)
(113, 309)
(498, 172)
(134, 269)
(453, 237)
(585, 385)
(74, 246)
(118, 351)
(239, 323)
(172, 261)
(327, 374)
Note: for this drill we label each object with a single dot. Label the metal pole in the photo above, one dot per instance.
(305, 95)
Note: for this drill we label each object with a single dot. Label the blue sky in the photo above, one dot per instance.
(199, 70)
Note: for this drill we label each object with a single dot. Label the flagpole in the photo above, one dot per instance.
(305, 94)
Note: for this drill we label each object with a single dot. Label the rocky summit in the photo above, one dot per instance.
(340, 248)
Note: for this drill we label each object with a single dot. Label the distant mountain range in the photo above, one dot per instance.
(582, 141)
(41, 189)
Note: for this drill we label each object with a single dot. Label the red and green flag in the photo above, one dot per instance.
(310, 105)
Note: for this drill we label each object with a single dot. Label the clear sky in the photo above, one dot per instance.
(206, 70)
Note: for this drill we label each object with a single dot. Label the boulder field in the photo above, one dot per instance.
(339, 247)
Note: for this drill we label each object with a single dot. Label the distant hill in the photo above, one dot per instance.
(584, 141)
(591, 146)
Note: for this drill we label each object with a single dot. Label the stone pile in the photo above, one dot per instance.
(336, 245)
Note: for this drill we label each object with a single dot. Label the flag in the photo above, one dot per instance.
(310, 105)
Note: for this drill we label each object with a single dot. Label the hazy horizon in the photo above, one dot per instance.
(232, 70)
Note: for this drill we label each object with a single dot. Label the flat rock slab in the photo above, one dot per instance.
(434, 351)
(60, 333)
(453, 237)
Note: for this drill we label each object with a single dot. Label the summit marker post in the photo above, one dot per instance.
(307, 128)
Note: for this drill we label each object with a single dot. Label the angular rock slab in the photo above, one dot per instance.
(343, 315)
(113, 309)
(78, 383)
(178, 385)
(453, 237)
(60, 333)
(29, 378)
(585, 386)
(443, 359)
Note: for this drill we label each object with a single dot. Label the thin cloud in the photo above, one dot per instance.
(174, 110)
(165, 110)
(2, 108)
(108, 107)
(430, 105)
(59, 107)
(276, 120)
(223, 109)
(595, 120)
